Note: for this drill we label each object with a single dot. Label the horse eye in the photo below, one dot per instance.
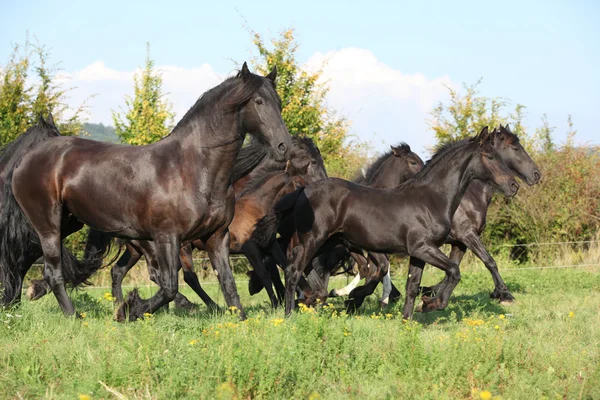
(489, 156)
(413, 163)
(515, 148)
(259, 101)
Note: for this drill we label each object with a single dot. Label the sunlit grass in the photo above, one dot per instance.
(545, 345)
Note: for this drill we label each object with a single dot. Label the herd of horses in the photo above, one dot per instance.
(271, 200)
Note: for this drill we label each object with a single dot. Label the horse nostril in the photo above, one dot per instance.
(282, 148)
(515, 187)
(537, 176)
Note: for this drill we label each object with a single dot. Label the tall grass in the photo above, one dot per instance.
(545, 345)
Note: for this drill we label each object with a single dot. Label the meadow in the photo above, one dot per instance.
(546, 345)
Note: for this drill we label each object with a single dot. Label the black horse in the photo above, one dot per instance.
(413, 219)
(389, 171)
(75, 271)
(469, 220)
(149, 192)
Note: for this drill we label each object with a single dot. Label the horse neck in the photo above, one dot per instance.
(389, 177)
(212, 141)
(269, 190)
(450, 179)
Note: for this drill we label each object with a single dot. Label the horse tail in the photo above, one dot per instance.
(77, 272)
(265, 230)
(18, 242)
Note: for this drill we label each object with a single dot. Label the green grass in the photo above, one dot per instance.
(547, 345)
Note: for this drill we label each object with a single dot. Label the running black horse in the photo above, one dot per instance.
(170, 192)
(413, 219)
(469, 220)
(11, 280)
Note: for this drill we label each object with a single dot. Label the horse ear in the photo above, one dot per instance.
(41, 120)
(507, 128)
(288, 166)
(273, 74)
(394, 150)
(245, 72)
(483, 136)
(50, 120)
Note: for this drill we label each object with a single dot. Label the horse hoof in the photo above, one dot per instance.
(419, 308)
(184, 304)
(121, 312)
(429, 304)
(507, 302)
(333, 293)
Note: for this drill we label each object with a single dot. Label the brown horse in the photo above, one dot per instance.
(150, 192)
(305, 165)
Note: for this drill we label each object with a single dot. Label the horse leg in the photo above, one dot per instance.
(191, 278)
(130, 257)
(254, 256)
(162, 256)
(434, 256)
(51, 246)
(358, 295)
(383, 263)
(456, 254)
(282, 260)
(363, 270)
(217, 247)
(501, 292)
(415, 272)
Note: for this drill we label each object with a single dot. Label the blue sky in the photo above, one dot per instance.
(390, 58)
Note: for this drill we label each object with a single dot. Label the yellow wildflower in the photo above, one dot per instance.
(85, 324)
(84, 397)
(193, 342)
(501, 316)
(496, 327)
(485, 395)
(83, 315)
(571, 314)
(314, 396)
(278, 321)
(148, 315)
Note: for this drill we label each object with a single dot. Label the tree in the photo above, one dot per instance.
(468, 113)
(304, 110)
(149, 117)
(22, 102)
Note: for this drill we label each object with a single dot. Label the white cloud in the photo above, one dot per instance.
(109, 87)
(384, 105)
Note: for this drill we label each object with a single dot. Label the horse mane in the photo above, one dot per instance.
(368, 178)
(240, 89)
(258, 180)
(442, 152)
(26, 141)
(248, 158)
(304, 143)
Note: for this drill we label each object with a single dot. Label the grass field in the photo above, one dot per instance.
(546, 345)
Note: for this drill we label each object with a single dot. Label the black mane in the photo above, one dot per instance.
(17, 148)
(241, 89)
(369, 176)
(248, 158)
(442, 152)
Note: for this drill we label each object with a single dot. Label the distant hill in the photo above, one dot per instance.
(101, 132)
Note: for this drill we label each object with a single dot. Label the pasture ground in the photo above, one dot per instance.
(546, 345)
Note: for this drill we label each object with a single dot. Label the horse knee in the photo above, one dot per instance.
(170, 292)
(454, 274)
